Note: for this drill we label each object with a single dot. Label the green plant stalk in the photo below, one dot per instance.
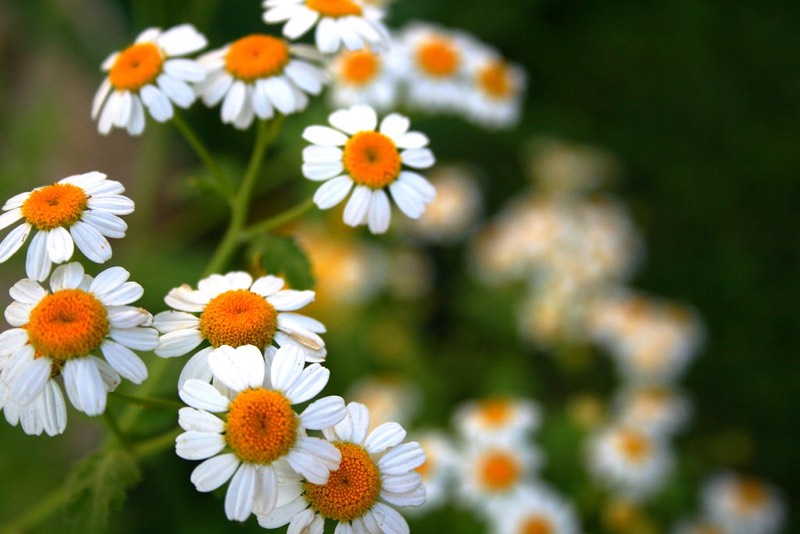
(204, 154)
(278, 220)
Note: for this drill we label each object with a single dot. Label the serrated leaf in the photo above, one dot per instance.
(282, 256)
(97, 485)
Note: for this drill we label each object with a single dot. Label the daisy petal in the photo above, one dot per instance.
(402, 459)
(389, 520)
(14, 241)
(385, 436)
(85, 387)
(415, 497)
(214, 472)
(380, 212)
(91, 242)
(312, 380)
(194, 445)
(324, 136)
(394, 126)
(239, 368)
(196, 368)
(357, 208)
(203, 396)
(124, 361)
(419, 158)
(200, 421)
(28, 384)
(323, 413)
(37, 262)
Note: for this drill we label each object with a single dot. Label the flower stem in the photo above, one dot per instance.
(147, 448)
(148, 402)
(278, 220)
(266, 133)
(204, 154)
(113, 426)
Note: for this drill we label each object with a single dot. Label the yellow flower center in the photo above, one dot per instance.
(351, 490)
(633, 445)
(371, 159)
(70, 323)
(261, 426)
(499, 471)
(750, 494)
(334, 8)
(257, 56)
(536, 524)
(359, 67)
(438, 57)
(495, 80)
(136, 66)
(239, 317)
(495, 412)
(55, 205)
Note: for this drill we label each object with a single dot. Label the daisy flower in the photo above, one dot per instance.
(537, 509)
(375, 467)
(236, 311)
(441, 460)
(146, 75)
(494, 95)
(632, 461)
(340, 23)
(661, 409)
(363, 77)
(57, 332)
(497, 418)
(743, 505)
(256, 75)
(369, 161)
(80, 210)
(260, 426)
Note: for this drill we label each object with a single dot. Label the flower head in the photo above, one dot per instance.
(260, 426)
(78, 210)
(375, 467)
(494, 93)
(340, 23)
(369, 162)
(256, 75)
(743, 505)
(236, 311)
(149, 73)
(57, 332)
(363, 77)
(539, 510)
(497, 418)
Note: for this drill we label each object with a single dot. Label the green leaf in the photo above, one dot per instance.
(282, 256)
(97, 485)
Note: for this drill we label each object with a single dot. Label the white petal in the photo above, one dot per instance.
(100, 97)
(85, 387)
(322, 171)
(322, 154)
(14, 241)
(200, 421)
(286, 368)
(394, 126)
(421, 185)
(241, 493)
(280, 13)
(214, 472)
(262, 105)
(171, 321)
(407, 199)
(291, 299)
(115, 204)
(363, 117)
(234, 101)
(415, 497)
(322, 451)
(194, 445)
(349, 36)
(185, 69)
(389, 520)
(302, 20)
(299, 333)
(108, 281)
(109, 113)
(280, 93)
(282, 515)
(385, 436)
(324, 136)
(149, 35)
(156, 102)
(123, 317)
(267, 285)
(125, 294)
(176, 90)
(28, 384)
(402, 459)
(308, 77)
(68, 276)
(37, 262)
(53, 409)
(196, 368)
(181, 40)
(135, 338)
(266, 490)
(10, 217)
(312, 380)
(323, 413)
(216, 89)
(357, 208)
(380, 212)
(412, 140)
(108, 375)
(186, 299)
(239, 368)
(419, 158)
(27, 291)
(327, 37)
(296, 319)
(178, 343)
(107, 224)
(203, 396)
(123, 109)
(91, 242)
(18, 313)
(136, 122)
(124, 361)
(401, 483)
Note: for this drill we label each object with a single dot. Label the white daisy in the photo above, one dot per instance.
(375, 467)
(661, 409)
(537, 509)
(633, 462)
(236, 311)
(340, 23)
(56, 334)
(259, 428)
(497, 418)
(363, 77)
(369, 161)
(146, 73)
(743, 505)
(80, 210)
(256, 75)
(441, 461)
(495, 90)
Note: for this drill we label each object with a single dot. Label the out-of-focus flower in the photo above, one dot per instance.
(497, 419)
(456, 209)
(441, 461)
(562, 168)
(149, 72)
(256, 75)
(743, 505)
(369, 162)
(387, 397)
(632, 462)
(57, 332)
(78, 210)
(411, 273)
(376, 468)
(661, 409)
(340, 23)
(536, 509)
(260, 426)
(363, 77)
(494, 94)
(552, 313)
(236, 311)
(698, 526)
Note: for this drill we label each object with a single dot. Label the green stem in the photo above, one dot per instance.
(113, 426)
(278, 220)
(241, 203)
(204, 154)
(147, 448)
(148, 402)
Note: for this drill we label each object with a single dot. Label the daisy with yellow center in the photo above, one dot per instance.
(149, 73)
(743, 505)
(536, 510)
(631, 461)
(375, 467)
(256, 76)
(441, 461)
(340, 23)
(236, 311)
(58, 332)
(80, 210)
(259, 426)
(358, 155)
(497, 418)
(661, 409)
(363, 77)
(495, 89)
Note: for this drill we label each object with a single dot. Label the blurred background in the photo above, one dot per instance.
(697, 103)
